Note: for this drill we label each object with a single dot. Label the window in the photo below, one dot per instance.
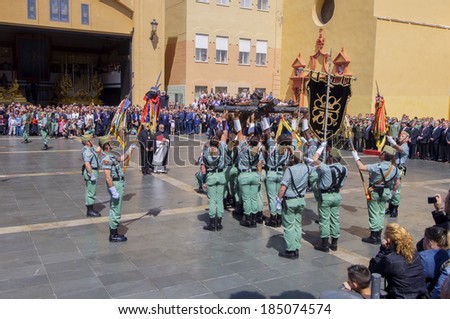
(32, 9)
(246, 4)
(59, 10)
(223, 2)
(84, 14)
(199, 90)
(221, 89)
(201, 48)
(244, 92)
(263, 5)
(203, 1)
(244, 51)
(221, 50)
(261, 52)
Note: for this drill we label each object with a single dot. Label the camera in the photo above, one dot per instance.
(432, 200)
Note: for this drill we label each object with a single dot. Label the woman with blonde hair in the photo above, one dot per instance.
(399, 262)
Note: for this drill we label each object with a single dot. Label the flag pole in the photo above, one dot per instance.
(326, 107)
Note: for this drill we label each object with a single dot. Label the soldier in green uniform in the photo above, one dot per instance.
(231, 171)
(250, 174)
(331, 177)
(90, 174)
(115, 181)
(26, 121)
(291, 202)
(213, 164)
(381, 176)
(401, 157)
(277, 158)
(45, 129)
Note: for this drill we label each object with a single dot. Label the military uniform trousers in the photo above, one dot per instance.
(328, 208)
(273, 183)
(44, 135)
(395, 200)
(261, 191)
(26, 132)
(376, 208)
(91, 188)
(248, 185)
(55, 129)
(115, 205)
(231, 174)
(292, 222)
(199, 179)
(215, 183)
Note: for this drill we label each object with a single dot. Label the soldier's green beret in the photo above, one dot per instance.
(335, 153)
(389, 150)
(86, 138)
(104, 139)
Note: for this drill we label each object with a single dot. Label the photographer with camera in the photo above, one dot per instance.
(441, 214)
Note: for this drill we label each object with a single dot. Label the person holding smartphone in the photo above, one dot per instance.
(441, 214)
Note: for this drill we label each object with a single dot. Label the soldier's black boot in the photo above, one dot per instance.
(239, 209)
(253, 221)
(279, 220)
(289, 254)
(90, 212)
(324, 245)
(246, 221)
(394, 211)
(259, 217)
(115, 237)
(272, 221)
(211, 226)
(388, 210)
(333, 245)
(45, 147)
(219, 224)
(372, 239)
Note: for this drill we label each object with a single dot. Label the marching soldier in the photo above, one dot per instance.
(381, 176)
(213, 164)
(26, 121)
(277, 158)
(401, 156)
(45, 129)
(331, 177)
(90, 174)
(115, 181)
(291, 202)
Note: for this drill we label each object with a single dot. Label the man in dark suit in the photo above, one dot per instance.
(413, 135)
(368, 136)
(146, 142)
(444, 140)
(423, 139)
(434, 140)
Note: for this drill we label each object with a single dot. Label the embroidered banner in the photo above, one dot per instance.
(337, 103)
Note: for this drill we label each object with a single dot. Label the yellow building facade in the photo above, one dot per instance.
(403, 45)
(221, 45)
(83, 38)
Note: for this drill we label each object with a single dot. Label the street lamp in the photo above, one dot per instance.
(154, 25)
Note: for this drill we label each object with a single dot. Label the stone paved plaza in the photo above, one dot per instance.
(50, 249)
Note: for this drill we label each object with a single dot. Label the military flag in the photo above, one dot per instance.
(337, 103)
(379, 127)
(118, 123)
